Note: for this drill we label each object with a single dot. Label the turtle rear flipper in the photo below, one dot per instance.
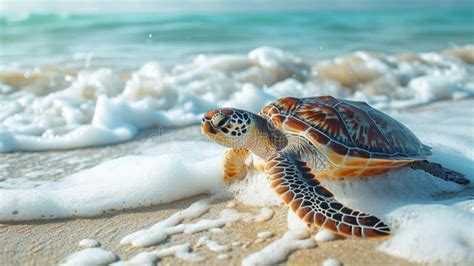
(439, 171)
(314, 204)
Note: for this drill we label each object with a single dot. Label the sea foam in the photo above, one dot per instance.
(126, 182)
(100, 106)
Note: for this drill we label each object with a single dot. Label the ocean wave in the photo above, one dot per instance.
(53, 107)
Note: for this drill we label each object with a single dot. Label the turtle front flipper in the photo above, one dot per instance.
(233, 165)
(294, 182)
(439, 171)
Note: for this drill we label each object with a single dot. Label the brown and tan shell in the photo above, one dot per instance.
(357, 139)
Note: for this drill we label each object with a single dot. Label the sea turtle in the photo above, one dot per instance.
(299, 141)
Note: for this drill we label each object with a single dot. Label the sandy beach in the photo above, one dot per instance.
(51, 242)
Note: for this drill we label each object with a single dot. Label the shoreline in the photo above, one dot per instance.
(50, 242)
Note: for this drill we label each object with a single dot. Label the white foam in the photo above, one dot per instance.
(226, 216)
(236, 243)
(255, 190)
(265, 234)
(212, 244)
(98, 107)
(324, 236)
(331, 262)
(179, 251)
(91, 256)
(182, 251)
(216, 230)
(125, 182)
(165, 228)
(89, 243)
(142, 258)
(417, 225)
(223, 257)
(265, 214)
(294, 222)
(231, 204)
(173, 225)
(280, 249)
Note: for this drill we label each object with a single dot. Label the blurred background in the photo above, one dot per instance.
(132, 32)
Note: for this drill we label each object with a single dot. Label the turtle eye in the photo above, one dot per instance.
(220, 120)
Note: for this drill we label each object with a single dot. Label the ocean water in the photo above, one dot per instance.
(129, 40)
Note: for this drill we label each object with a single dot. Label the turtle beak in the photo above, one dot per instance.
(207, 128)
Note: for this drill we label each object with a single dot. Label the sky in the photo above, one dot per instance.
(104, 6)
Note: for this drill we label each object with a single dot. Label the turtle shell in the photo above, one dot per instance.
(350, 134)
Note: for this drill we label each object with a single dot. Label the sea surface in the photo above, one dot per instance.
(128, 40)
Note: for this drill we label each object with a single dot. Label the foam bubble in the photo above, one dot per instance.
(179, 251)
(91, 256)
(280, 249)
(416, 226)
(294, 222)
(212, 244)
(331, 262)
(324, 236)
(142, 258)
(265, 234)
(89, 243)
(255, 190)
(223, 257)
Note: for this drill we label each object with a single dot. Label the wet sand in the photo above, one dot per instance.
(50, 242)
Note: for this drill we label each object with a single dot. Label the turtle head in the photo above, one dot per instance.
(228, 126)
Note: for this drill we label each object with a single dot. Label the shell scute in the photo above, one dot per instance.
(278, 120)
(269, 110)
(400, 137)
(364, 132)
(361, 105)
(324, 118)
(316, 136)
(295, 125)
(288, 104)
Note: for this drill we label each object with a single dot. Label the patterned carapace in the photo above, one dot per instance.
(348, 127)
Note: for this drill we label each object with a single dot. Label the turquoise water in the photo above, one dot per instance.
(126, 39)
